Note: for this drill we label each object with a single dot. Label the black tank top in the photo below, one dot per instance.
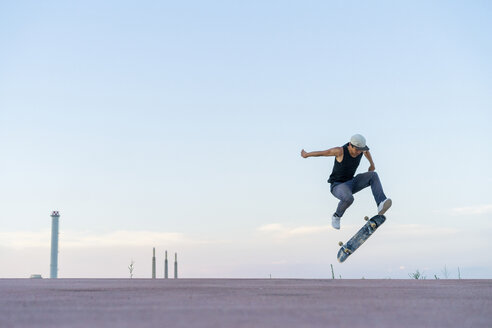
(345, 170)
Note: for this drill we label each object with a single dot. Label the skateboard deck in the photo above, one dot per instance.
(360, 237)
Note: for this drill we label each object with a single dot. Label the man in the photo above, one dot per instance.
(342, 180)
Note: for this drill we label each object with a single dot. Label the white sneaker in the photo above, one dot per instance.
(384, 206)
(335, 222)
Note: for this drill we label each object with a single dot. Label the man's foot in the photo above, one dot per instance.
(335, 221)
(384, 206)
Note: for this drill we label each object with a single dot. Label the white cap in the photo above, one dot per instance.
(359, 142)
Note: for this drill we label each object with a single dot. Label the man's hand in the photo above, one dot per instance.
(371, 168)
(304, 154)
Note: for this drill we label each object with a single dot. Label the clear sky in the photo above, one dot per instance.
(179, 125)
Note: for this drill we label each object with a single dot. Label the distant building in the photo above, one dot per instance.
(55, 217)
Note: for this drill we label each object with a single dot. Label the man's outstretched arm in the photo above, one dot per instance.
(336, 151)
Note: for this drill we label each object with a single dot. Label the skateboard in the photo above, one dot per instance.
(360, 237)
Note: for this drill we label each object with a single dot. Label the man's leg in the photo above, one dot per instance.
(367, 179)
(343, 192)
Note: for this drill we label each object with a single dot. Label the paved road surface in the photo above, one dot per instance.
(245, 303)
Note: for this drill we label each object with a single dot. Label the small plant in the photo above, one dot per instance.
(436, 277)
(332, 272)
(459, 273)
(131, 267)
(417, 275)
(445, 272)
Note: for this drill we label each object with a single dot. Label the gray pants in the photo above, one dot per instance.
(344, 190)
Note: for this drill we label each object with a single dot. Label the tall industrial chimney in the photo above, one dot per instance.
(175, 265)
(55, 216)
(165, 267)
(153, 264)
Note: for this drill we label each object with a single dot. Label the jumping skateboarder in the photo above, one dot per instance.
(342, 180)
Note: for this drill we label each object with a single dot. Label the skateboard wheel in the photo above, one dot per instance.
(340, 243)
(366, 218)
(373, 225)
(347, 251)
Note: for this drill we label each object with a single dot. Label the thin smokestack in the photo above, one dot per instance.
(55, 217)
(165, 267)
(153, 264)
(175, 265)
